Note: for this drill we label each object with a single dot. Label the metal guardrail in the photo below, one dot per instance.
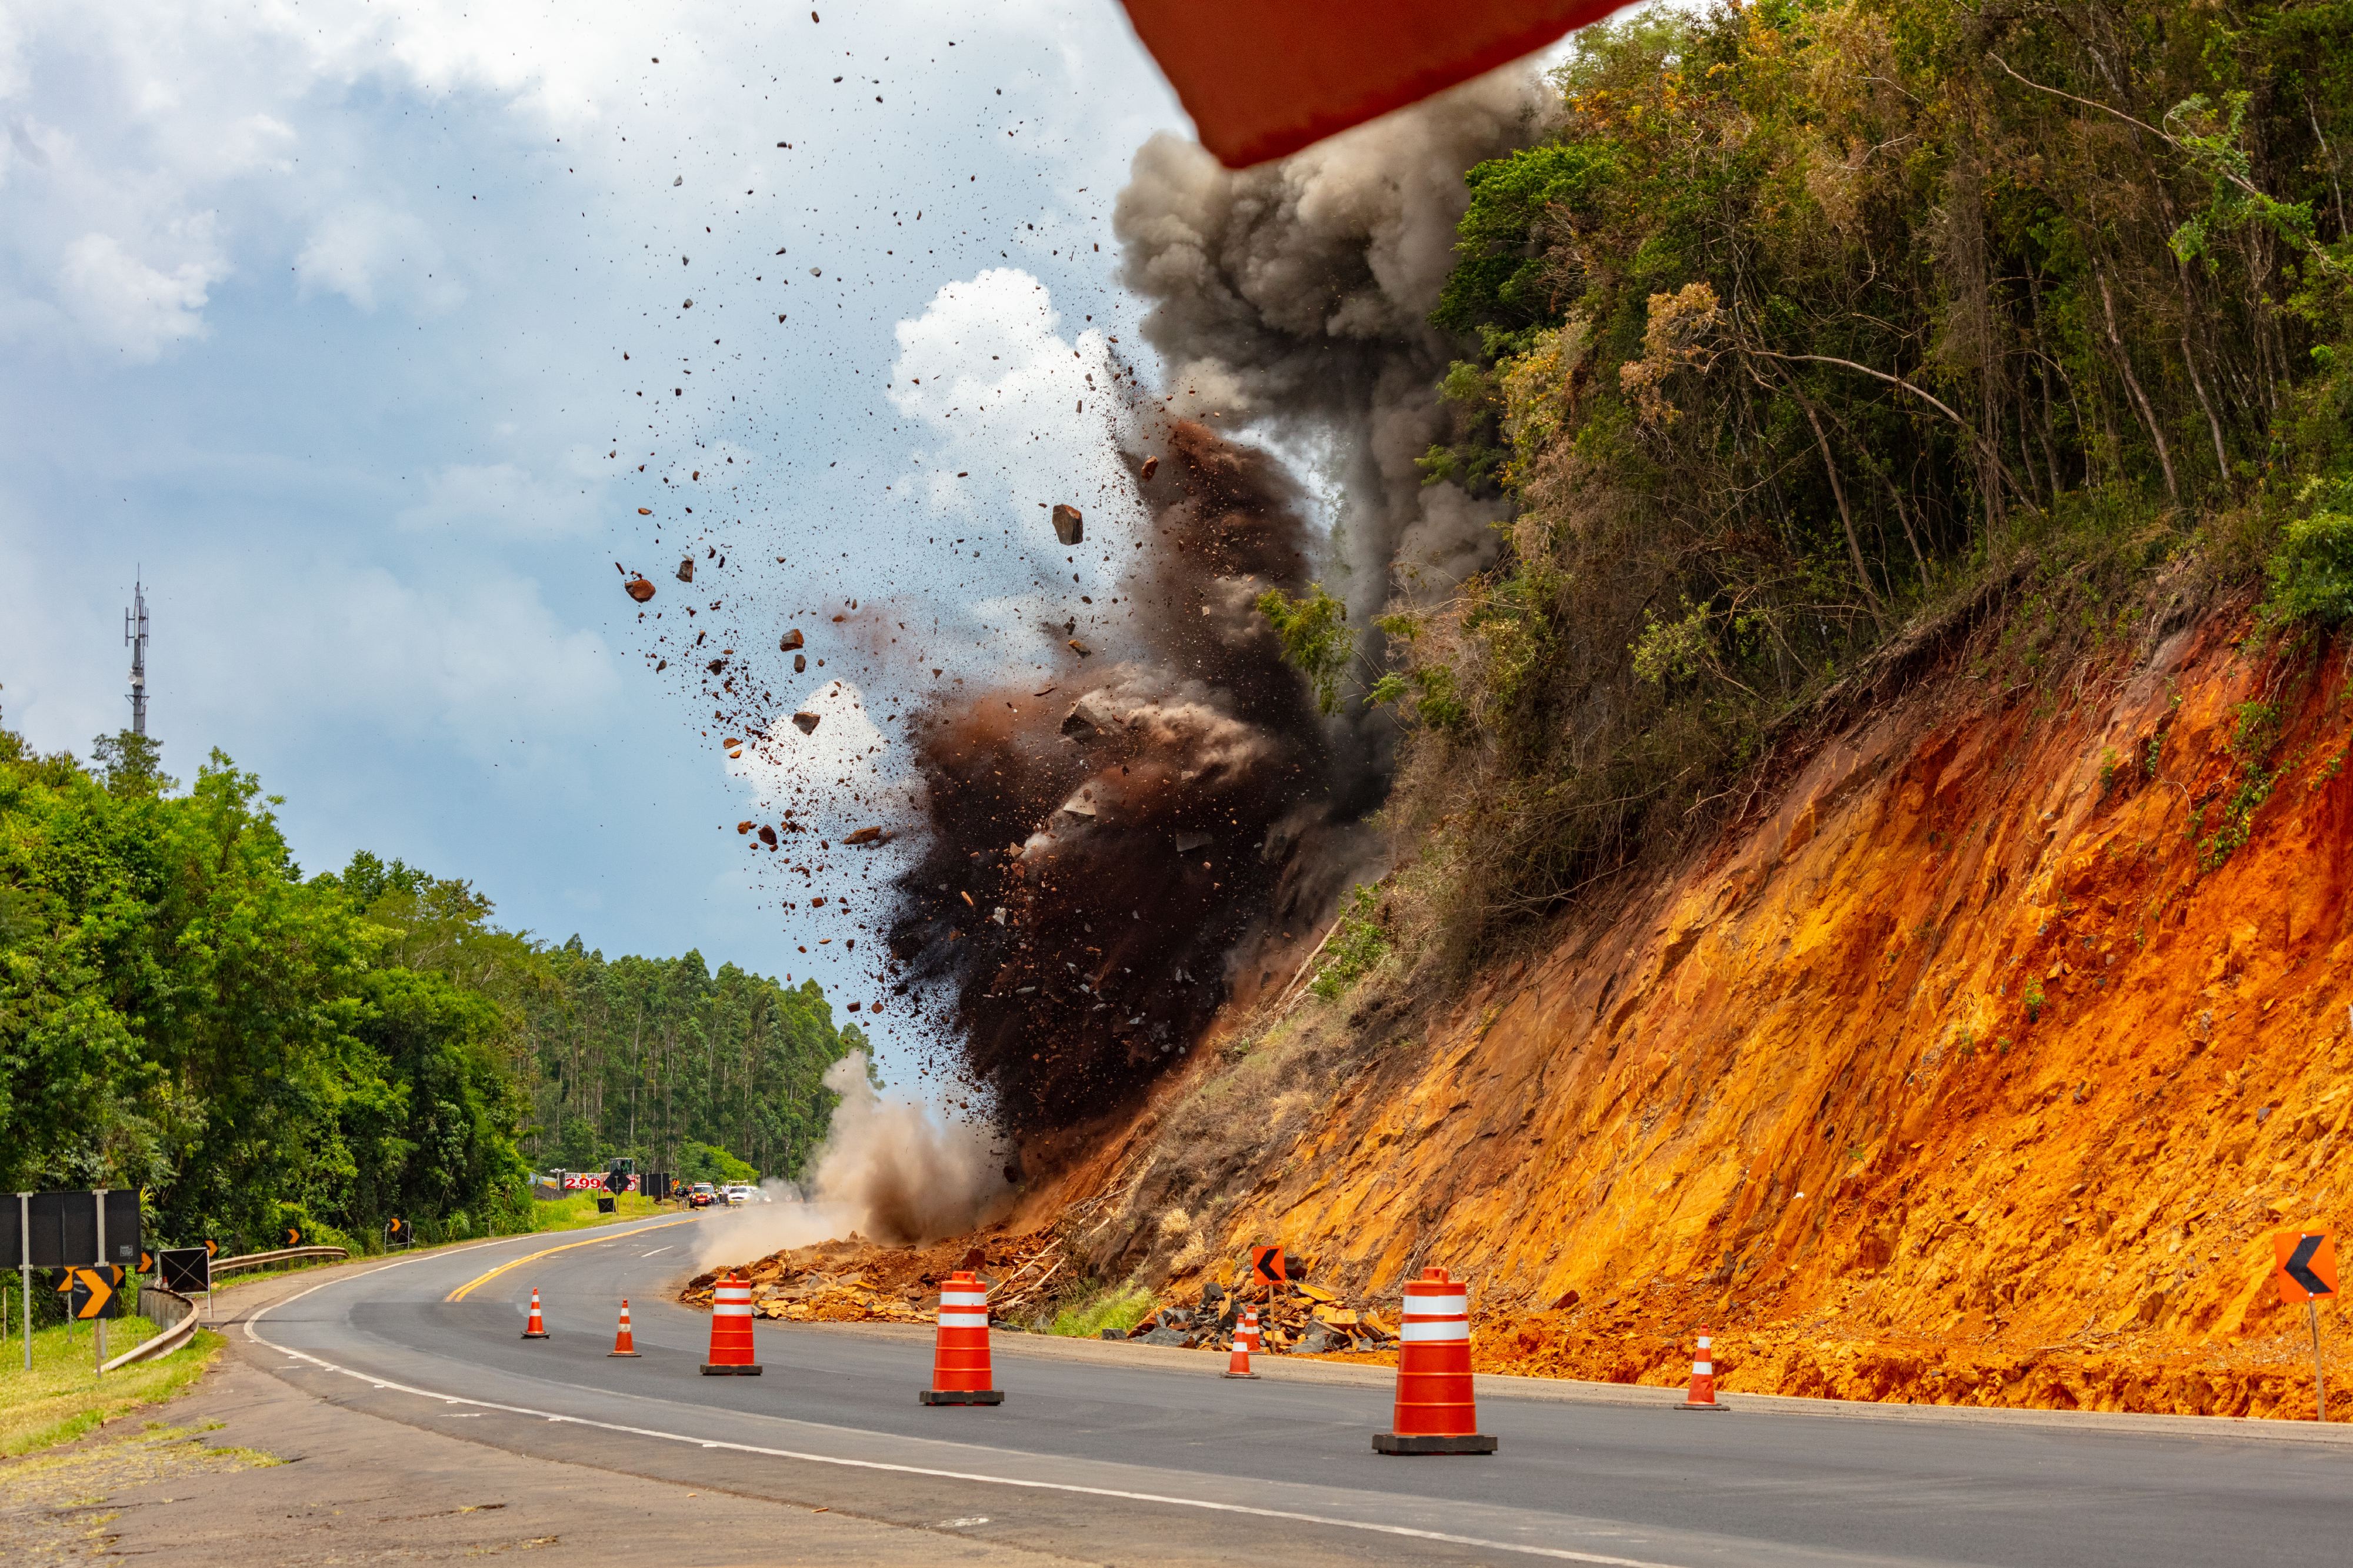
(283, 1254)
(155, 1303)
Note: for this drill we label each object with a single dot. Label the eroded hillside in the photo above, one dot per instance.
(1978, 1062)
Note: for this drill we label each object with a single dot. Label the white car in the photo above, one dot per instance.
(739, 1194)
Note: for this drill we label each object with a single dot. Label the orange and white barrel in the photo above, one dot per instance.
(960, 1372)
(1436, 1412)
(731, 1330)
(1701, 1394)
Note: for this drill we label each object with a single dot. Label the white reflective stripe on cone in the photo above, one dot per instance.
(1457, 1330)
(964, 1299)
(1703, 1369)
(1454, 1306)
(964, 1319)
(1706, 1344)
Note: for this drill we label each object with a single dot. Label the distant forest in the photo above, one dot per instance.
(181, 1010)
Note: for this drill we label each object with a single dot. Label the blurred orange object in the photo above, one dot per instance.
(1264, 78)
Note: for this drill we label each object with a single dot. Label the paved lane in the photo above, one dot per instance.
(1110, 1455)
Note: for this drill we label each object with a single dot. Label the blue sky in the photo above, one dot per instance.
(316, 316)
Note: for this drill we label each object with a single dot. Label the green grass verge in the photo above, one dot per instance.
(578, 1212)
(62, 1397)
(1121, 1309)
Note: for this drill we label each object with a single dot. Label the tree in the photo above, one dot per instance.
(130, 765)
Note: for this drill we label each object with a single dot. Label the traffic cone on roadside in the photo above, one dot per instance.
(1245, 1345)
(1703, 1379)
(535, 1328)
(731, 1331)
(960, 1361)
(623, 1345)
(1435, 1410)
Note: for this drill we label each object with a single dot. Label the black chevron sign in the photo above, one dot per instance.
(2308, 1264)
(2299, 1266)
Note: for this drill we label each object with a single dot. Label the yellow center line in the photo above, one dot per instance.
(459, 1293)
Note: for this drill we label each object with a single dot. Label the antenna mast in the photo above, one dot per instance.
(134, 637)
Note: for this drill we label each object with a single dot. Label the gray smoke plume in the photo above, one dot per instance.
(1102, 873)
(1295, 297)
(888, 1171)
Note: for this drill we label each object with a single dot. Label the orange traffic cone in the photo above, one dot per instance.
(960, 1361)
(731, 1331)
(535, 1328)
(623, 1345)
(1245, 1343)
(1703, 1383)
(1435, 1411)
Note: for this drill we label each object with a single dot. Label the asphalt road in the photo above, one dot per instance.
(1109, 1455)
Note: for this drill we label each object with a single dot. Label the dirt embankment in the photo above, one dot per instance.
(1977, 1066)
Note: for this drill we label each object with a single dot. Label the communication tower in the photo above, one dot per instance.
(134, 635)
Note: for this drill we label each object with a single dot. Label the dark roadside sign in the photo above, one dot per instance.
(186, 1270)
(92, 1292)
(62, 1229)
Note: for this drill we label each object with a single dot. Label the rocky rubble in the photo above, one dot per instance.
(854, 1280)
(1302, 1319)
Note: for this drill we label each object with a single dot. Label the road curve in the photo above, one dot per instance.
(1102, 1456)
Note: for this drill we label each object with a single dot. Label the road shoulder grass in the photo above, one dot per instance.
(62, 1397)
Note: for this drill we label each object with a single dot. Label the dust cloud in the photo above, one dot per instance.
(888, 1171)
(1116, 852)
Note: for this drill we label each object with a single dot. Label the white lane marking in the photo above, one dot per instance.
(657, 1249)
(1557, 1554)
(961, 1523)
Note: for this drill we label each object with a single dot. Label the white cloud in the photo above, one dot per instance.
(1008, 401)
(474, 659)
(130, 306)
(506, 500)
(840, 766)
(364, 250)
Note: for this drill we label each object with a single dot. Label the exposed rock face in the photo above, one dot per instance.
(1980, 1065)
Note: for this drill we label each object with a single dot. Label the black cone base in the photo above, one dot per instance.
(1251, 1375)
(710, 1370)
(630, 1354)
(961, 1396)
(537, 1336)
(1467, 1443)
(1700, 1408)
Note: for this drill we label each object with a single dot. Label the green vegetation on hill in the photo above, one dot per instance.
(1811, 333)
(181, 1010)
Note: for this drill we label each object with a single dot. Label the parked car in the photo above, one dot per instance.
(700, 1195)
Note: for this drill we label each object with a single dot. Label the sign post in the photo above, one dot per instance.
(2307, 1271)
(98, 1196)
(25, 1266)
